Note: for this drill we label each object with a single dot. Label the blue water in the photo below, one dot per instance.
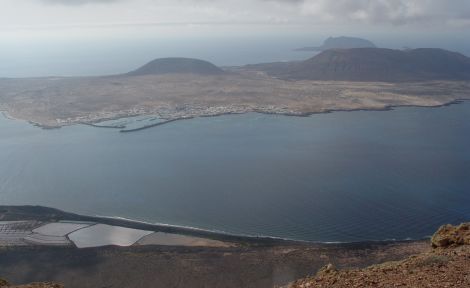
(344, 176)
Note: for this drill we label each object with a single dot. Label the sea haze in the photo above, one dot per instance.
(85, 58)
(344, 176)
(93, 57)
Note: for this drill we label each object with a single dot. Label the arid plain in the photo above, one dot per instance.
(60, 101)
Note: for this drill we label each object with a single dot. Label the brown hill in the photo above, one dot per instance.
(177, 66)
(447, 265)
(375, 64)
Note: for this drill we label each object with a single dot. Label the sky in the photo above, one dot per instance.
(31, 29)
(49, 14)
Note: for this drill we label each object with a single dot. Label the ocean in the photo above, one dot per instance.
(337, 177)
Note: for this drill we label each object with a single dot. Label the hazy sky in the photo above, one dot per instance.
(388, 14)
(34, 30)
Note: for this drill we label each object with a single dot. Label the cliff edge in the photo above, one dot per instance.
(447, 265)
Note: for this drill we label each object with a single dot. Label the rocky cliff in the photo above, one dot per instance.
(447, 265)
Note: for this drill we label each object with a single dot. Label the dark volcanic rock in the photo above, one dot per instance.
(376, 64)
(341, 43)
(177, 66)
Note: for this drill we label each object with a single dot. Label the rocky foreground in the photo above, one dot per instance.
(5, 284)
(447, 265)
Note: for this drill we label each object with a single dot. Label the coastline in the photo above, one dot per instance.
(167, 120)
(102, 126)
(124, 130)
(262, 261)
(44, 214)
(8, 116)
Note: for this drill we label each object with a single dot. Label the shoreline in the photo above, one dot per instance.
(124, 130)
(102, 126)
(44, 214)
(266, 238)
(260, 111)
(260, 237)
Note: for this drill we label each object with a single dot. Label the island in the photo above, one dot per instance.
(342, 42)
(182, 88)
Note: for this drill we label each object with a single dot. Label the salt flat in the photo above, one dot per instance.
(48, 240)
(60, 228)
(90, 234)
(104, 235)
(12, 233)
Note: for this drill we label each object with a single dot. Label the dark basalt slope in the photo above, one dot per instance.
(375, 64)
(341, 43)
(177, 66)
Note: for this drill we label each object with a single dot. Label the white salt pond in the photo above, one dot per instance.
(60, 228)
(12, 233)
(103, 235)
(48, 240)
(89, 234)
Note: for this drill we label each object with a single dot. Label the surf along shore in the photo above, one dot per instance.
(253, 262)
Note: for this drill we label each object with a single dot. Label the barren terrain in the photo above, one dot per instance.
(55, 102)
(253, 262)
(166, 266)
(447, 265)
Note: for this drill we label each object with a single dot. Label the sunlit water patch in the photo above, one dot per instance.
(346, 176)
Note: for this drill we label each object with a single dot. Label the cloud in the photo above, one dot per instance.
(396, 12)
(455, 13)
(77, 2)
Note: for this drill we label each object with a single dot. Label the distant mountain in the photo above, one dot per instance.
(341, 43)
(177, 66)
(374, 64)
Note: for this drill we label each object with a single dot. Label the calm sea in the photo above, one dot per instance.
(344, 176)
